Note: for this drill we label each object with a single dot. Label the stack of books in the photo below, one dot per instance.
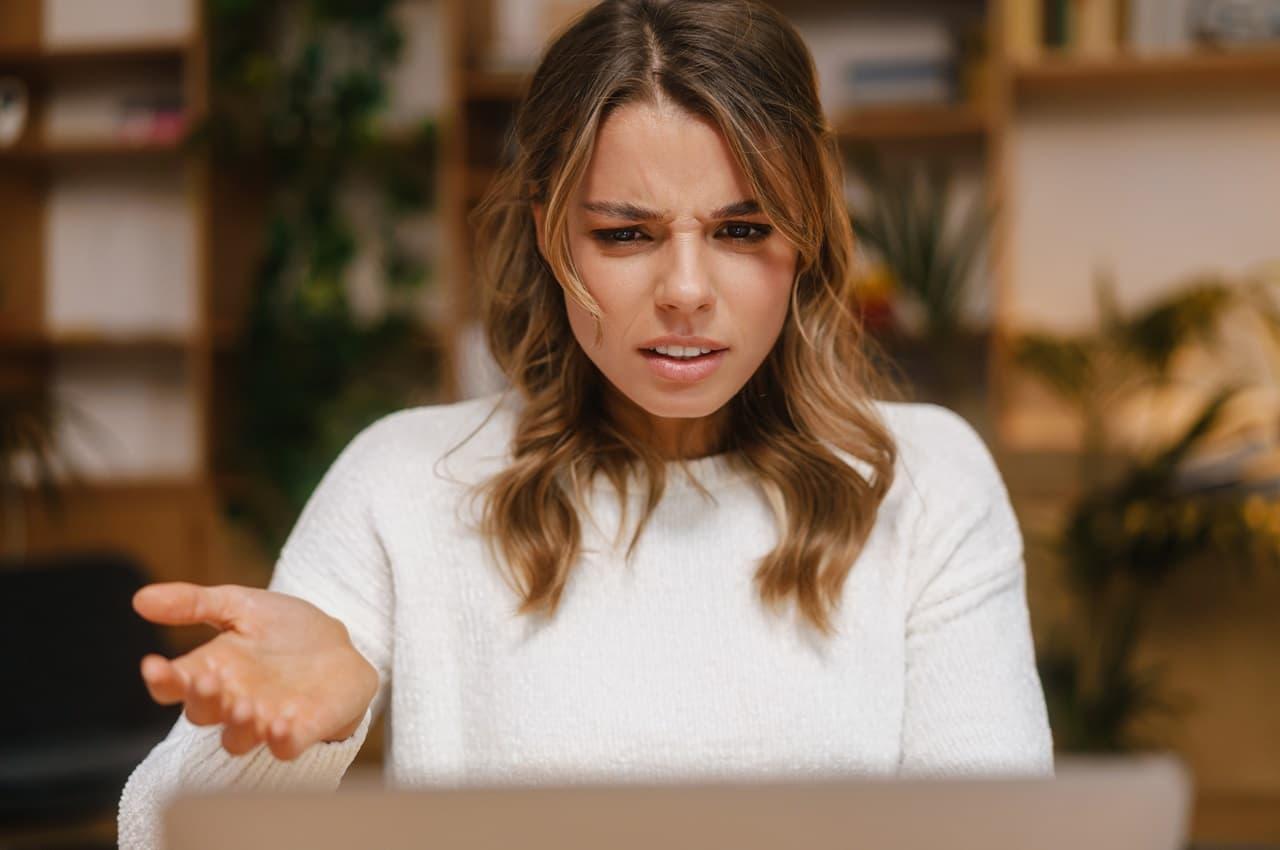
(1142, 27)
(877, 59)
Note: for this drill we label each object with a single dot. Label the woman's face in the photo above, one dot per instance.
(670, 242)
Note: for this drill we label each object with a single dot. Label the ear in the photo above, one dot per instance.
(539, 219)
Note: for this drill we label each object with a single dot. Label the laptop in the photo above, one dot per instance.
(1100, 803)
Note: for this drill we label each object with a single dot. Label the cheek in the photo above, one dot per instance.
(765, 303)
(583, 326)
(618, 290)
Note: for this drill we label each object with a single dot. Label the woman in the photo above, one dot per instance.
(689, 541)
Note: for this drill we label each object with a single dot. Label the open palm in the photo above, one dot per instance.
(280, 671)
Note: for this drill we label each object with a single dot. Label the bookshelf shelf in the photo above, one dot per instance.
(95, 149)
(494, 85)
(86, 341)
(890, 123)
(111, 52)
(85, 251)
(1126, 72)
(122, 485)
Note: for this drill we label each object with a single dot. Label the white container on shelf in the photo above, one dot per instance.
(70, 23)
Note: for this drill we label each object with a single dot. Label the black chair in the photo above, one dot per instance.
(75, 718)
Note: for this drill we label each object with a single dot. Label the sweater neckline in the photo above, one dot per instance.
(711, 471)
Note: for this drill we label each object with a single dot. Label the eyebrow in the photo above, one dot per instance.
(634, 212)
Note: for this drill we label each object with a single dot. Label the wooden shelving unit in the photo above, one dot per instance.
(162, 517)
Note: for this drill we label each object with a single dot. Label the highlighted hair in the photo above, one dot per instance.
(804, 425)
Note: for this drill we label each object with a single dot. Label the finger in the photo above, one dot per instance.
(240, 735)
(181, 603)
(280, 739)
(164, 680)
(204, 699)
(282, 735)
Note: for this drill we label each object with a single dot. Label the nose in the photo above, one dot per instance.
(685, 286)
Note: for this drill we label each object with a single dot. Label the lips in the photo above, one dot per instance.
(683, 370)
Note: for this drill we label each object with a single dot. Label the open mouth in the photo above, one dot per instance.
(681, 358)
(681, 367)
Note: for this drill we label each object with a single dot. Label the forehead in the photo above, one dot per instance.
(663, 157)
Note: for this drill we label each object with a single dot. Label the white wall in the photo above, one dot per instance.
(1153, 188)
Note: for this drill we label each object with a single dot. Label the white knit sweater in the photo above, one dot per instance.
(670, 670)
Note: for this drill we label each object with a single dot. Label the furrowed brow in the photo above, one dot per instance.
(634, 212)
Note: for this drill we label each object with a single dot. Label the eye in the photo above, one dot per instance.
(616, 237)
(742, 231)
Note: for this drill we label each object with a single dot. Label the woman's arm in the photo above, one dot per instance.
(334, 559)
(974, 702)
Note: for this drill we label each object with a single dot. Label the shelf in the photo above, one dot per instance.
(92, 342)
(125, 485)
(227, 340)
(89, 149)
(950, 122)
(39, 57)
(1126, 72)
(495, 85)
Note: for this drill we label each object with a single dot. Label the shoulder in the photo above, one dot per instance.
(415, 439)
(935, 439)
(945, 467)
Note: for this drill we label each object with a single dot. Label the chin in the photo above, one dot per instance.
(680, 402)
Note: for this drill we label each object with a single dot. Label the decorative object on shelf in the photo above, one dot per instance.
(135, 108)
(907, 221)
(1156, 27)
(1236, 23)
(13, 110)
(1142, 517)
(297, 93)
(154, 120)
(1097, 28)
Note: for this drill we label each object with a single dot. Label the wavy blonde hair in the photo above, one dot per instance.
(741, 65)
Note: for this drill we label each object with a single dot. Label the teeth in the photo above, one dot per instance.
(680, 350)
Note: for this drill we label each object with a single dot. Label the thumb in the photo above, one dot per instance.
(180, 603)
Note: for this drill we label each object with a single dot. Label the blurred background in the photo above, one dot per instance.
(232, 233)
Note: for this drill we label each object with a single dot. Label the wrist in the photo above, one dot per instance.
(345, 732)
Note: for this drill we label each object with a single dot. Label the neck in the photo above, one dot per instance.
(673, 438)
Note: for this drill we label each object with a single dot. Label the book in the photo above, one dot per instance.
(1022, 24)
(880, 58)
(1096, 25)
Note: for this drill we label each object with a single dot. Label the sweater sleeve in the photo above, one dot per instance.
(333, 558)
(974, 701)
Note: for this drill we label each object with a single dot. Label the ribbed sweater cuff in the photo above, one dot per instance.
(320, 766)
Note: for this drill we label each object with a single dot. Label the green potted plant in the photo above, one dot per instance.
(906, 222)
(1139, 518)
(296, 94)
(33, 467)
